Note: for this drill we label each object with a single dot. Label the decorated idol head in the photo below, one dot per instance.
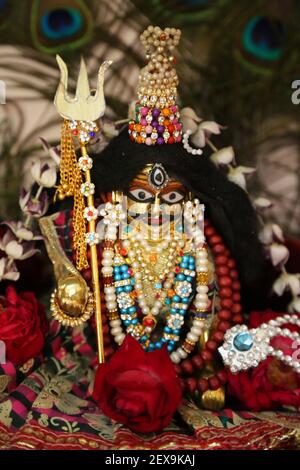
(152, 163)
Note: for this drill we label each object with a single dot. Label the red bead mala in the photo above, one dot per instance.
(229, 314)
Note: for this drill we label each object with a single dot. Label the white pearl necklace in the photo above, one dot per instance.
(245, 348)
(200, 301)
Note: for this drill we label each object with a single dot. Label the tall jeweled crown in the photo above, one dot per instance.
(157, 118)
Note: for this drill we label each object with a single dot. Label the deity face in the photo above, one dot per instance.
(155, 201)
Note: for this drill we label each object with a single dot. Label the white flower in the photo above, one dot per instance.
(14, 249)
(294, 305)
(262, 203)
(44, 174)
(279, 254)
(54, 152)
(189, 119)
(287, 282)
(204, 131)
(8, 271)
(271, 233)
(21, 232)
(109, 129)
(237, 175)
(224, 156)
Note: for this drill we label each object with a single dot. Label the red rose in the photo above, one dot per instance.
(22, 325)
(272, 384)
(137, 388)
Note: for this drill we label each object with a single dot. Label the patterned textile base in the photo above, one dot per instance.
(47, 404)
(211, 431)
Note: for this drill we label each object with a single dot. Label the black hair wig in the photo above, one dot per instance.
(226, 204)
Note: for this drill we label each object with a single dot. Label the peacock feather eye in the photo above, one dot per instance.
(158, 177)
(264, 38)
(60, 25)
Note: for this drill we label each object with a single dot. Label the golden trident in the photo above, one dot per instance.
(79, 114)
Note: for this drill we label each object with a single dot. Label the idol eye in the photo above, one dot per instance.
(172, 197)
(140, 195)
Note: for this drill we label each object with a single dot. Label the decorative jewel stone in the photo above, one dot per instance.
(85, 163)
(243, 341)
(183, 289)
(158, 177)
(90, 213)
(92, 238)
(87, 189)
(125, 300)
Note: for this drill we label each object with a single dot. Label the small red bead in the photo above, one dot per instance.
(87, 274)
(223, 326)
(215, 239)
(224, 281)
(182, 384)
(218, 249)
(221, 260)
(211, 345)
(236, 308)
(123, 251)
(198, 361)
(234, 274)
(224, 314)
(214, 383)
(206, 355)
(222, 376)
(187, 367)
(191, 385)
(226, 304)
(238, 319)
(106, 340)
(75, 132)
(236, 285)
(236, 297)
(203, 385)
(231, 263)
(171, 140)
(218, 336)
(225, 293)
(209, 231)
(178, 370)
(222, 270)
(171, 128)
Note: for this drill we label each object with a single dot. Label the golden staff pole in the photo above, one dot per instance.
(95, 271)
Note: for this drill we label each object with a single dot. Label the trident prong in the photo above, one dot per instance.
(84, 106)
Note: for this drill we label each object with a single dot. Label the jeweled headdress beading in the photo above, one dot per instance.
(157, 118)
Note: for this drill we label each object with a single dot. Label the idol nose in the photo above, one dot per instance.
(156, 205)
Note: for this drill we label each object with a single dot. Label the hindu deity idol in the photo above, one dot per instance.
(159, 243)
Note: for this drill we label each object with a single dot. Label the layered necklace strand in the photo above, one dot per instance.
(175, 289)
